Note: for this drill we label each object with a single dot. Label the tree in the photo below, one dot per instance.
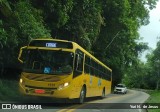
(154, 63)
(92, 24)
(20, 22)
(122, 17)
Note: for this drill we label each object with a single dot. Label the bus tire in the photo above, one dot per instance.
(82, 95)
(103, 94)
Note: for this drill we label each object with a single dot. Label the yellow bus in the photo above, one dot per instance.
(62, 69)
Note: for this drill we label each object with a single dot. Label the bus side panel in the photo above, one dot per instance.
(79, 81)
(77, 84)
(94, 86)
(91, 86)
(104, 84)
(108, 87)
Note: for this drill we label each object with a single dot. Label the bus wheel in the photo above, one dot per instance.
(103, 94)
(82, 95)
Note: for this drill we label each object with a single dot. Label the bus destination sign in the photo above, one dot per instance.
(51, 44)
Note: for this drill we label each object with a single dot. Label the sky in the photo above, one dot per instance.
(151, 31)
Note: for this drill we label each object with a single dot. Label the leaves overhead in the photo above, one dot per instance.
(92, 24)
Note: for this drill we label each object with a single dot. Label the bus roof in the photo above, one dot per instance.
(51, 39)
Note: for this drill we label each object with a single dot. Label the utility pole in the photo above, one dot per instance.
(112, 40)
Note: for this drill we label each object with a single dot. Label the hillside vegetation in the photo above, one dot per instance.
(106, 28)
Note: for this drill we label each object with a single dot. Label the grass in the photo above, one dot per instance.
(8, 90)
(154, 98)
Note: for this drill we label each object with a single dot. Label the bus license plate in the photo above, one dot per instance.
(39, 91)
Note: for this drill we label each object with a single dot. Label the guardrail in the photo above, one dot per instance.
(144, 90)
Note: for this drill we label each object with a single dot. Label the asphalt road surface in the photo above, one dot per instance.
(129, 102)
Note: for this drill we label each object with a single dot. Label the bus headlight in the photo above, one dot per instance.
(63, 85)
(66, 84)
(21, 81)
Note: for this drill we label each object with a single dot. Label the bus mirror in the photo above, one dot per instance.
(20, 56)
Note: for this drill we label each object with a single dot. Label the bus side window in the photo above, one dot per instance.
(78, 64)
(87, 65)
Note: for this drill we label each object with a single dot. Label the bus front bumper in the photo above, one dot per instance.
(54, 93)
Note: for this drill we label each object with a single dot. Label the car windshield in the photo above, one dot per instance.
(48, 61)
(122, 86)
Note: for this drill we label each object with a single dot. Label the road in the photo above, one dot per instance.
(112, 103)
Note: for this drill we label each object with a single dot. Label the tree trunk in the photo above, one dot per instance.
(157, 84)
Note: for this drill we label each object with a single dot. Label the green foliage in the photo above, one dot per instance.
(146, 75)
(30, 22)
(85, 22)
(9, 90)
(5, 8)
(135, 76)
(3, 40)
(154, 63)
(3, 35)
(126, 18)
(60, 10)
(154, 96)
(19, 23)
(92, 24)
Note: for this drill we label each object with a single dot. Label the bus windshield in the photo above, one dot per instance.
(48, 61)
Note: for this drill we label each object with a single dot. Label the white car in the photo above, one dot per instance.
(120, 88)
